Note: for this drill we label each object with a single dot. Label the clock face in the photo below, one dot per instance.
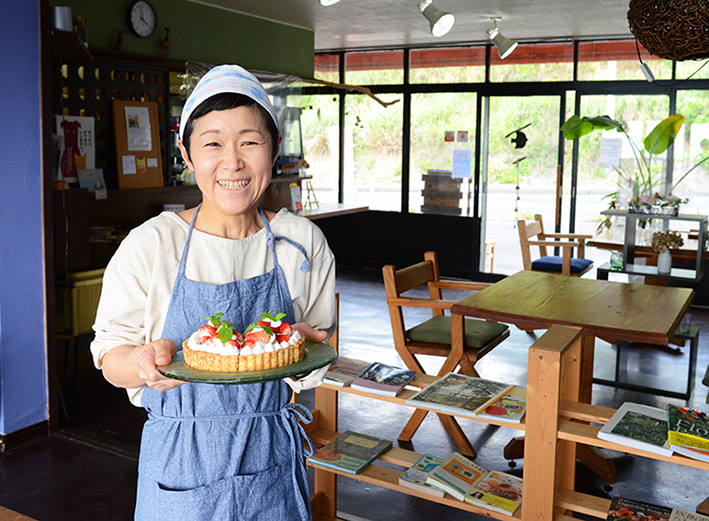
(142, 18)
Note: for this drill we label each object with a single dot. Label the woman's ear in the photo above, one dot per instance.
(185, 156)
(278, 150)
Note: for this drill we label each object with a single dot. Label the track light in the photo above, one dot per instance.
(327, 3)
(504, 45)
(441, 22)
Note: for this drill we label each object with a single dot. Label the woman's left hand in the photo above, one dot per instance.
(309, 333)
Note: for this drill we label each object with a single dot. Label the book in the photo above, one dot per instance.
(415, 478)
(351, 452)
(688, 432)
(497, 491)
(460, 394)
(457, 475)
(628, 509)
(639, 426)
(684, 515)
(510, 408)
(343, 371)
(92, 180)
(384, 379)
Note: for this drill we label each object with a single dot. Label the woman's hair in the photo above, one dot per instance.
(227, 101)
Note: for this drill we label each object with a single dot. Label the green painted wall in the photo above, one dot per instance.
(202, 33)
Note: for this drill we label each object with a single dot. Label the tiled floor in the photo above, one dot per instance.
(88, 471)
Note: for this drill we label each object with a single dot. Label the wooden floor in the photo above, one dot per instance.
(88, 471)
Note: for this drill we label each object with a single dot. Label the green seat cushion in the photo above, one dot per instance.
(437, 330)
(705, 380)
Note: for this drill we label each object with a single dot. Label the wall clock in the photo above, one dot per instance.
(142, 19)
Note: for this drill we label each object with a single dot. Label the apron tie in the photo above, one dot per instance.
(306, 263)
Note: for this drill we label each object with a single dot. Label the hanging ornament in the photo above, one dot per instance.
(516, 162)
(520, 138)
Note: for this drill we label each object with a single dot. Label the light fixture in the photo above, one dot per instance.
(504, 45)
(441, 22)
(327, 3)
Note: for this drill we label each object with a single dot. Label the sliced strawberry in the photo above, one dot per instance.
(239, 337)
(284, 329)
(207, 330)
(266, 323)
(258, 335)
(249, 343)
(282, 337)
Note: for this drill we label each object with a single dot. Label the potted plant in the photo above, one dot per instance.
(661, 243)
(648, 194)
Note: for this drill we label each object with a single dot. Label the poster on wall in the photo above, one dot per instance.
(462, 161)
(138, 131)
(77, 146)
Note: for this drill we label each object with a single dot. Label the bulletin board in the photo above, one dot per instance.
(138, 154)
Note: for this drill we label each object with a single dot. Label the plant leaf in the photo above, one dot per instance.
(664, 134)
(575, 127)
(225, 333)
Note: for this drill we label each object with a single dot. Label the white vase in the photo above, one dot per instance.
(664, 262)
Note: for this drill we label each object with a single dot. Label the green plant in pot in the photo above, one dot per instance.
(648, 194)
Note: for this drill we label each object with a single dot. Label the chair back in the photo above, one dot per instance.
(528, 231)
(397, 282)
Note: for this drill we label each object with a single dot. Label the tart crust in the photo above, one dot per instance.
(213, 362)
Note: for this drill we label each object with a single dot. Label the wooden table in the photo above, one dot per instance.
(612, 311)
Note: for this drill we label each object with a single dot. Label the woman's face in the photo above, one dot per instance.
(231, 158)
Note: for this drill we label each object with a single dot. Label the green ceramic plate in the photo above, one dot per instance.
(317, 355)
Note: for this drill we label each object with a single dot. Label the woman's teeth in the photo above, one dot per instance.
(234, 185)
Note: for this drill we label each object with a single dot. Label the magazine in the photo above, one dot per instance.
(457, 475)
(688, 432)
(639, 426)
(351, 452)
(459, 394)
(415, 478)
(510, 408)
(622, 509)
(343, 371)
(383, 379)
(497, 491)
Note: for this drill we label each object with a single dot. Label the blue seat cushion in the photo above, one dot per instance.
(553, 263)
(437, 330)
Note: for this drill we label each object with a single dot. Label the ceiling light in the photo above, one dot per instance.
(327, 3)
(441, 22)
(504, 45)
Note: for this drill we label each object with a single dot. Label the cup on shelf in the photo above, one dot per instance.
(616, 260)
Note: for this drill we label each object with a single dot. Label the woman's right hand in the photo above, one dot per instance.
(149, 357)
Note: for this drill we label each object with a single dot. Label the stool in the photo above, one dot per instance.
(490, 255)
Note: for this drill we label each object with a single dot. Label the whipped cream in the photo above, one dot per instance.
(214, 345)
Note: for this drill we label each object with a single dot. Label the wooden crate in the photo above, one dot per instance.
(441, 193)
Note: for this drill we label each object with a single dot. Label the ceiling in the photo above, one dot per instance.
(366, 24)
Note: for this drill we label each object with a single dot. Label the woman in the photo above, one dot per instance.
(217, 451)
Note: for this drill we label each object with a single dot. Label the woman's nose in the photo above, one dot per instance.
(232, 158)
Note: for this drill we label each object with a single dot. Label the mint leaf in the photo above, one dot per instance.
(225, 333)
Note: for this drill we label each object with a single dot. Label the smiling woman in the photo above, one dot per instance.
(225, 255)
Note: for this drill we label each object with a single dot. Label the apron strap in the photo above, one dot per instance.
(290, 414)
(272, 244)
(183, 259)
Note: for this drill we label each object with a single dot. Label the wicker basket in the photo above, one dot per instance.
(671, 29)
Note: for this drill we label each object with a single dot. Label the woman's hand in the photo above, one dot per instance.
(309, 333)
(149, 357)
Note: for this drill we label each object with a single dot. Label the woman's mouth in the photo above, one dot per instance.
(234, 185)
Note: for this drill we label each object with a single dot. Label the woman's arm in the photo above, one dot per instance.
(130, 367)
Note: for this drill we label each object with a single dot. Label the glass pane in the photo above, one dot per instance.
(618, 60)
(521, 181)
(374, 68)
(597, 178)
(696, 69)
(455, 65)
(321, 144)
(538, 62)
(373, 152)
(327, 67)
(431, 187)
(691, 147)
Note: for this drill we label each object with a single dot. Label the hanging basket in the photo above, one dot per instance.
(671, 29)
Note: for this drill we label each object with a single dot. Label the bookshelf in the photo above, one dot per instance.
(555, 423)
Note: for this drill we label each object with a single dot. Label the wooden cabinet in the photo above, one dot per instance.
(555, 424)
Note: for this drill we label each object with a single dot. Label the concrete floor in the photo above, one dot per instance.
(88, 470)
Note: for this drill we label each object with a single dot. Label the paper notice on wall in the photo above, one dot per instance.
(152, 162)
(138, 129)
(449, 136)
(462, 160)
(129, 166)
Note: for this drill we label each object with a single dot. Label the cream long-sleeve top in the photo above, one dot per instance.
(138, 281)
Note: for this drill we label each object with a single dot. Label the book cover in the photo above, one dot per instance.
(457, 475)
(497, 491)
(460, 394)
(343, 371)
(510, 408)
(688, 432)
(92, 179)
(622, 509)
(384, 379)
(639, 426)
(415, 478)
(350, 452)
(684, 515)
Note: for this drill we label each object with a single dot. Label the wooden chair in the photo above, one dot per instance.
(565, 263)
(433, 337)
(77, 302)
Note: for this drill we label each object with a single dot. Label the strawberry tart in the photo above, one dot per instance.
(266, 344)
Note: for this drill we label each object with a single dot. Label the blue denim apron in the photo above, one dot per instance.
(224, 452)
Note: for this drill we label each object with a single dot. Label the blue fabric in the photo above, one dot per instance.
(553, 263)
(223, 452)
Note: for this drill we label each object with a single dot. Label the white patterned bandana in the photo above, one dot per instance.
(226, 78)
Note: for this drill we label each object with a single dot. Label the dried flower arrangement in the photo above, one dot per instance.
(662, 241)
